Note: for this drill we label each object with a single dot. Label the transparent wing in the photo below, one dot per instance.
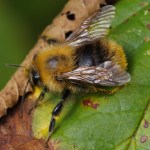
(105, 74)
(93, 28)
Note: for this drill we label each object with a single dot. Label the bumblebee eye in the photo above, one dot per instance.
(35, 77)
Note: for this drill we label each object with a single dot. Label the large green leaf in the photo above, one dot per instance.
(106, 122)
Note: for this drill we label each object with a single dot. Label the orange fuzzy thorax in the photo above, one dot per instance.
(65, 57)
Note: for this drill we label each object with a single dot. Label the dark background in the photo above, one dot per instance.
(21, 22)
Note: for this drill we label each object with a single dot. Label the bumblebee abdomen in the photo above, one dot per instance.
(89, 55)
(103, 50)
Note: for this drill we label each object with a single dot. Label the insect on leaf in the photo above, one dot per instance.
(118, 121)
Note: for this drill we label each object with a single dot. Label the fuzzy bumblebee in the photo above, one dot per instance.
(86, 61)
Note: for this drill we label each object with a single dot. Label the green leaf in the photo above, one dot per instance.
(106, 122)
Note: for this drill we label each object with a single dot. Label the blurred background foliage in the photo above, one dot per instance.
(21, 22)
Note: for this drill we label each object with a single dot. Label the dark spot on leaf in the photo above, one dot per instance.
(90, 103)
(68, 12)
(48, 40)
(143, 139)
(146, 124)
(148, 26)
(95, 106)
(111, 2)
(67, 34)
(87, 102)
(102, 5)
(52, 41)
(70, 15)
(149, 9)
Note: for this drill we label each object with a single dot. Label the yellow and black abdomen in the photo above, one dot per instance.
(103, 50)
(99, 52)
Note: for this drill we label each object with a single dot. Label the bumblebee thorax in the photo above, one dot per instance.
(53, 61)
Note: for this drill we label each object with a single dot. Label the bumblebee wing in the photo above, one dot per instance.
(105, 74)
(93, 28)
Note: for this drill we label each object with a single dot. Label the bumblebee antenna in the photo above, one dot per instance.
(14, 65)
(23, 98)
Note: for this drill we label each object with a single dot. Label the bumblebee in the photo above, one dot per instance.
(86, 61)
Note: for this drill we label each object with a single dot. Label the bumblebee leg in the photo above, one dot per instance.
(56, 111)
(40, 98)
(110, 91)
